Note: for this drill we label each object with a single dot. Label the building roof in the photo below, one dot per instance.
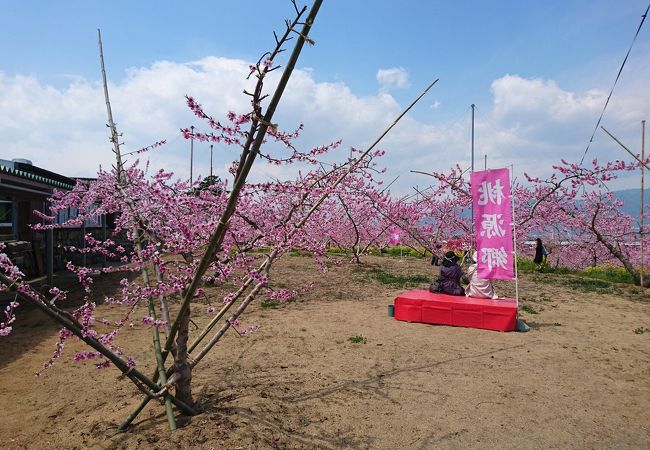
(36, 174)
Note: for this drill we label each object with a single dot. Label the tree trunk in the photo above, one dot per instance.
(182, 367)
(619, 255)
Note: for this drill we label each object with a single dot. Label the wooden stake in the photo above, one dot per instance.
(122, 181)
(249, 154)
(66, 320)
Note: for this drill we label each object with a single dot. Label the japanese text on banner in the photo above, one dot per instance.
(493, 223)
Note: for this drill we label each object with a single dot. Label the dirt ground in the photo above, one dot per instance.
(580, 378)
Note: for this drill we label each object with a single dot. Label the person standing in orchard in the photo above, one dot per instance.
(540, 255)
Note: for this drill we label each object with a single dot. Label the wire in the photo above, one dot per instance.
(615, 81)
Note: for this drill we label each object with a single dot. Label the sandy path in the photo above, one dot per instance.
(579, 379)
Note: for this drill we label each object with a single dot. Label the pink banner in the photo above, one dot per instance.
(393, 236)
(493, 224)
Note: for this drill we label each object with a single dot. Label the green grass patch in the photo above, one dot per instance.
(527, 265)
(398, 281)
(270, 304)
(609, 272)
(403, 250)
(588, 284)
(528, 309)
(641, 330)
(358, 339)
(336, 250)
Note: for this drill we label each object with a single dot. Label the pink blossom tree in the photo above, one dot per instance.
(163, 219)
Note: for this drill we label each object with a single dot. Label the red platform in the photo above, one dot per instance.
(442, 309)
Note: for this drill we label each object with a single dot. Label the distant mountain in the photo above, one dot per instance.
(632, 200)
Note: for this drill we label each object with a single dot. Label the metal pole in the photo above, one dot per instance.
(473, 106)
(471, 243)
(191, 153)
(49, 249)
(211, 162)
(625, 148)
(485, 162)
(83, 243)
(514, 235)
(104, 234)
(642, 205)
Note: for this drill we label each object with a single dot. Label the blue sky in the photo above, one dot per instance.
(538, 73)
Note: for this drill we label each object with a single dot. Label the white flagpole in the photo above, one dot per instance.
(514, 234)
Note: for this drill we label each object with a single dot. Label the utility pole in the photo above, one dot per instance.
(472, 228)
(191, 153)
(642, 205)
(473, 106)
(643, 165)
(211, 162)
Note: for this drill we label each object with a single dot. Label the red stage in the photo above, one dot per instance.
(442, 309)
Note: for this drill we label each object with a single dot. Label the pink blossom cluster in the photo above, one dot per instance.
(150, 321)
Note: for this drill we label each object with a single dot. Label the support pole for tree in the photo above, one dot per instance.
(121, 179)
(643, 165)
(249, 154)
(265, 266)
(220, 231)
(73, 326)
(625, 148)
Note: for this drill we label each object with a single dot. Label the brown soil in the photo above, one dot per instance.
(579, 379)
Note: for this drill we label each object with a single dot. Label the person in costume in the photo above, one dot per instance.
(478, 287)
(450, 275)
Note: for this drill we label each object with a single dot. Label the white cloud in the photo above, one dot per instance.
(514, 96)
(394, 77)
(531, 124)
(543, 114)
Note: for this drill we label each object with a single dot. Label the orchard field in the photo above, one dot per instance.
(329, 369)
(249, 309)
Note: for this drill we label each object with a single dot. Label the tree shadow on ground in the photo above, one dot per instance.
(32, 326)
(278, 418)
(538, 325)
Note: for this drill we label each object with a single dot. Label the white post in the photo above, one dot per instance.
(514, 235)
(472, 243)
(211, 163)
(191, 154)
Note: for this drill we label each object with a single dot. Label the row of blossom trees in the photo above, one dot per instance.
(183, 235)
(573, 210)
